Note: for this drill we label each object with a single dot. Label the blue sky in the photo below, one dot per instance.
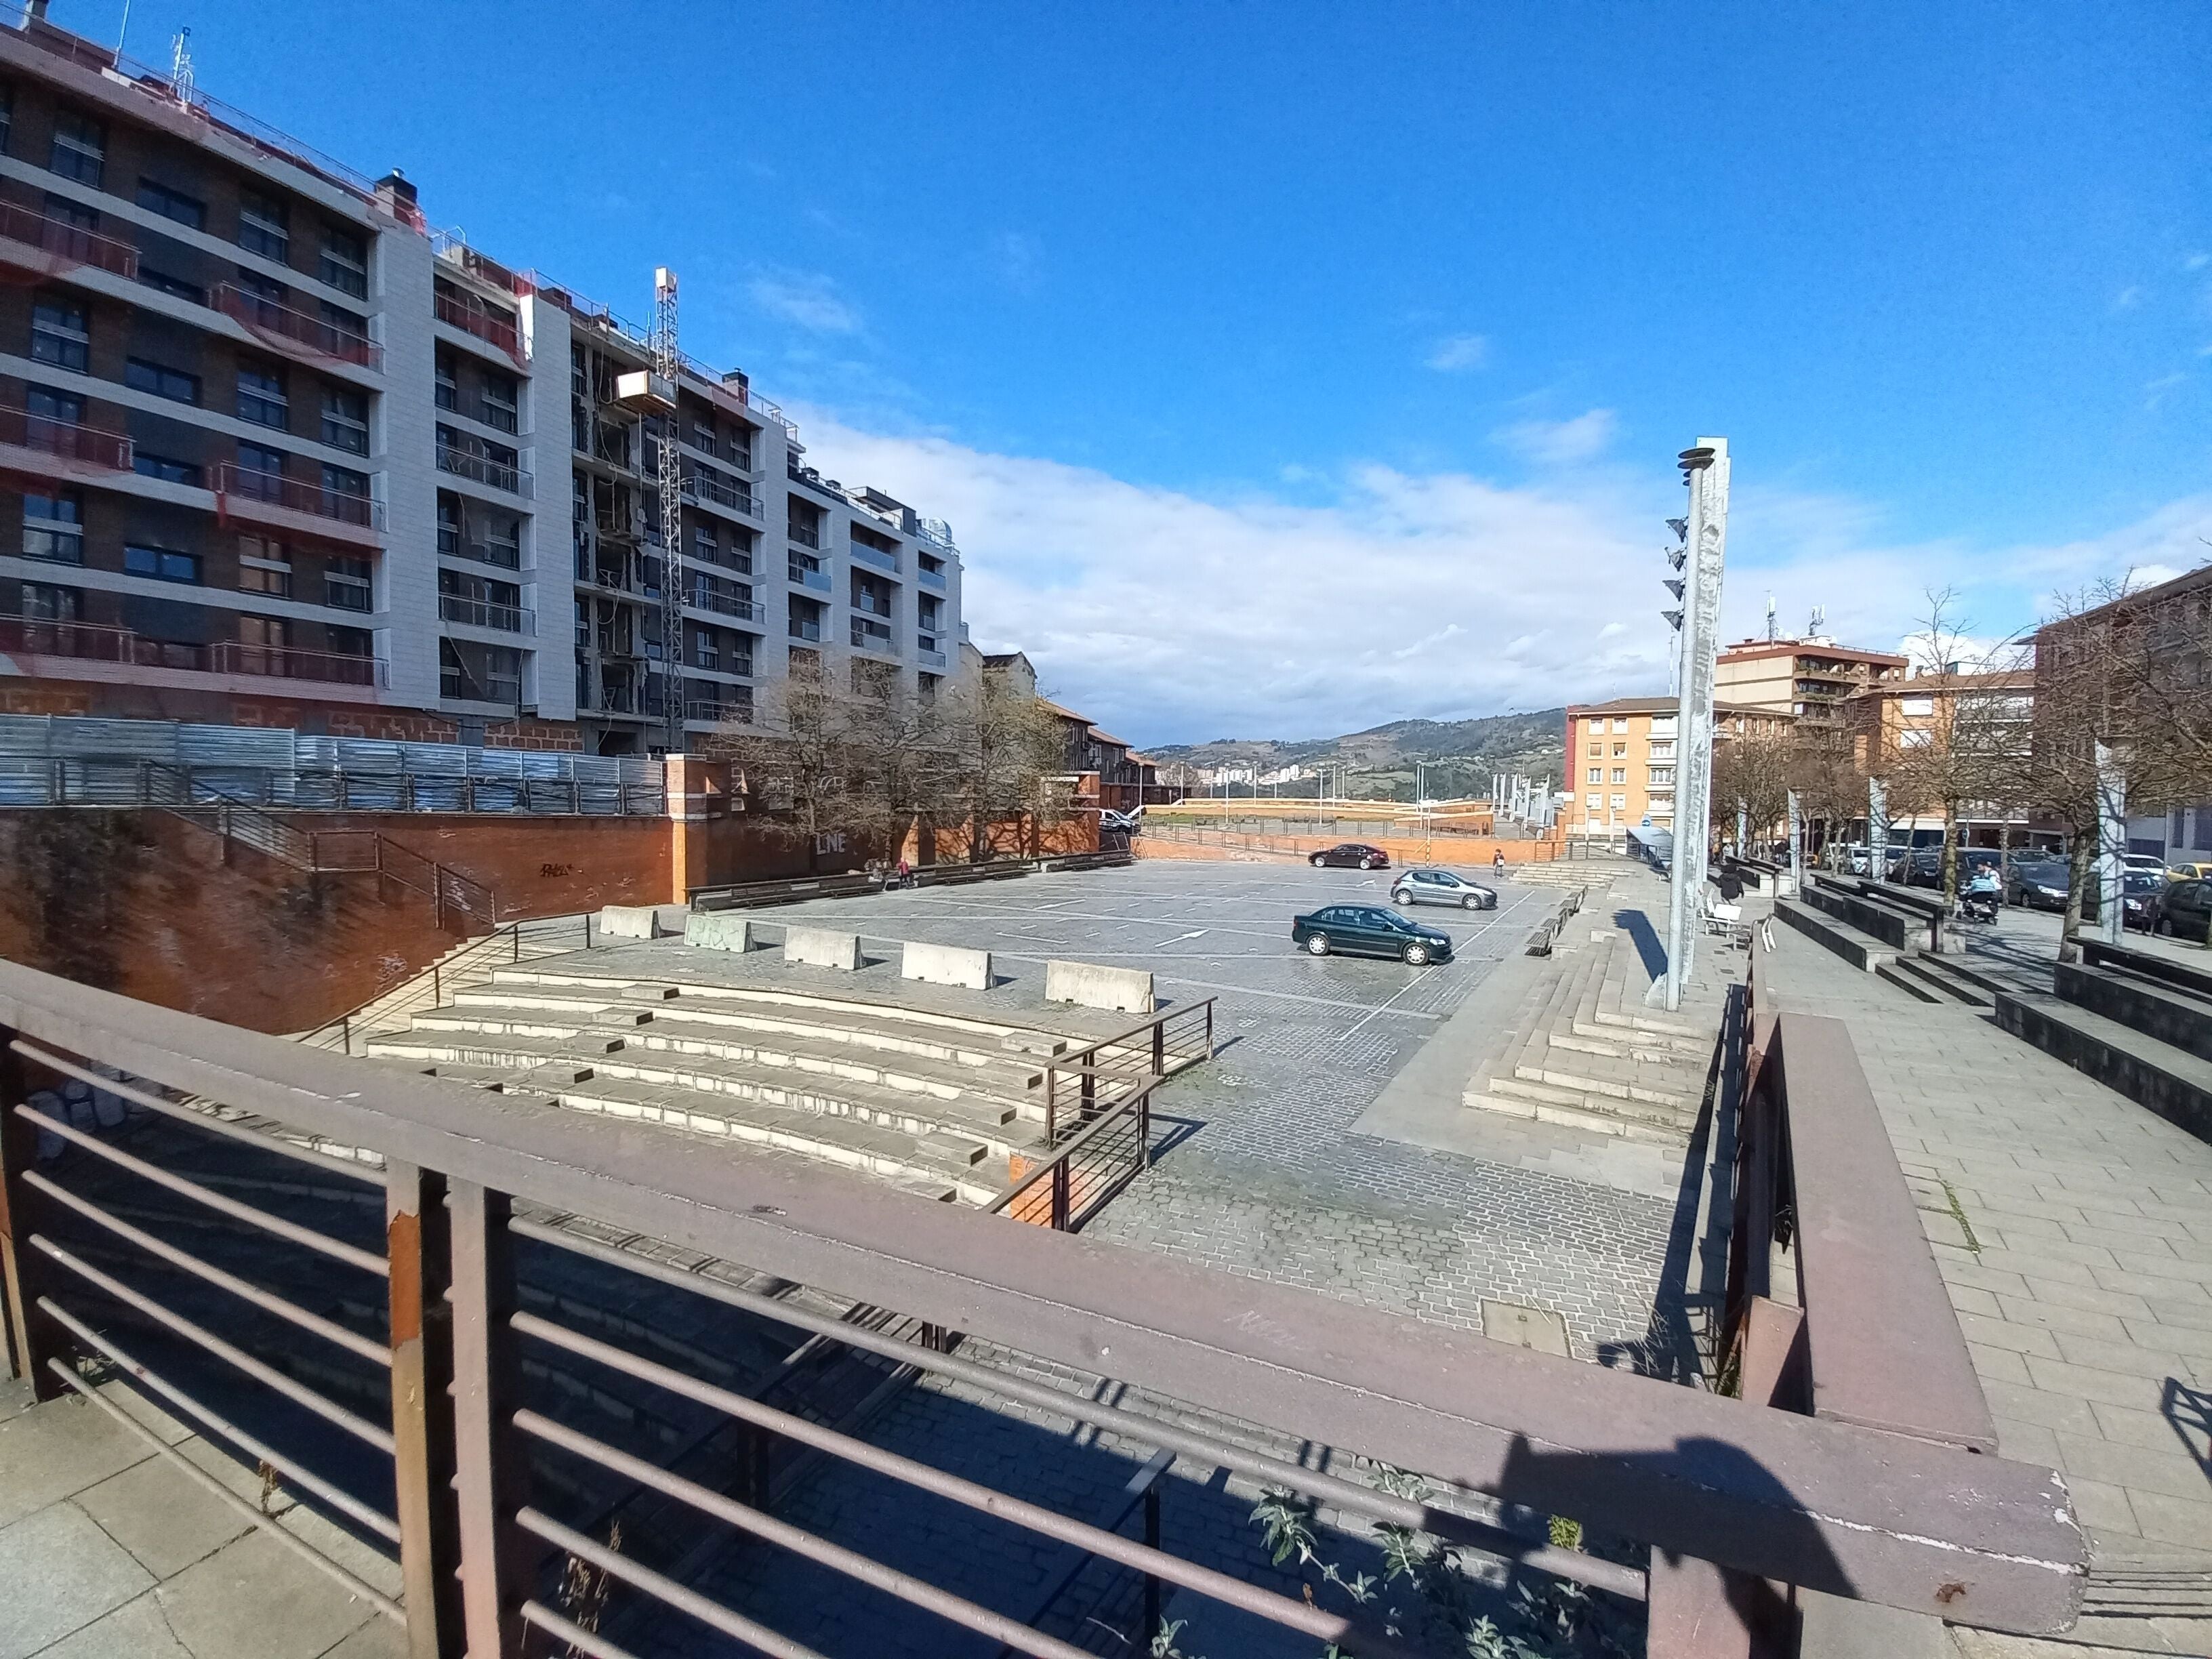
(1289, 368)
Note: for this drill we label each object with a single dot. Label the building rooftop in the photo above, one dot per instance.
(1655, 706)
(1745, 650)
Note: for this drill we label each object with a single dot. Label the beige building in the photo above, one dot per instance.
(1620, 761)
(1806, 678)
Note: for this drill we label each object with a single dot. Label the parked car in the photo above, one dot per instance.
(2187, 871)
(2039, 884)
(1368, 930)
(1441, 887)
(2142, 899)
(2187, 913)
(1923, 865)
(2148, 862)
(1352, 854)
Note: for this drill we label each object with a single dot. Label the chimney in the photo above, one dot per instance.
(392, 191)
(36, 11)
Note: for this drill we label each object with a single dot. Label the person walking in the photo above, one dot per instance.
(905, 872)
(1497, 863)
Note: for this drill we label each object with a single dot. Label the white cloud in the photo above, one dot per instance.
(1168, 617)
(1455, 354)
(1561, 443)
(2128, 298)
(805, 300)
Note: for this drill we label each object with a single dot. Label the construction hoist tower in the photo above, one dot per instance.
(652, 392)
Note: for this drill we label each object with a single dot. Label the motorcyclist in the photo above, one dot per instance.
(1983, 892)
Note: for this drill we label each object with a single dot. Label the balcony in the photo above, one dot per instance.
(872, 636)
(507, 555)
(244, 491)
(483, 613)
(77, 448)
(804, 535)
(453, 686)
(876, 556)
(801, 629)
(497, 475)
(295, 332)
(479, 323)
(930, 659)
(722, 605)
(720, 492)
(932, 579)
(29, 240)
(93, 642)
(717, 714)
(808, 577)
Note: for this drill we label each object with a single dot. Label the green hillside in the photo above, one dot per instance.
(1379, 762)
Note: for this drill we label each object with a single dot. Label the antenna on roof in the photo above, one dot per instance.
(1820, 619)
(180, 67)
(1770, 618)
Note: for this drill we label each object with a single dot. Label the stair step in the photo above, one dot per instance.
(1911, 983)
(1588, 1085)
(1930, 971)
(1620, 1126)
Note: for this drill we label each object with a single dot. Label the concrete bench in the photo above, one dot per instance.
(1087, 985)
(945, 964)
(818, 947)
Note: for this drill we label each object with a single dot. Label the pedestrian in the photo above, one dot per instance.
(1497, 862)
(1731, 886)
(905, 872)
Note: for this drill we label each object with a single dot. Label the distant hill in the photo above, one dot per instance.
(1379, 762)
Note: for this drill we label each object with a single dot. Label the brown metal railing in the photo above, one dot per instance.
(67, 247)
(1076, 1176)
(467, 967)
(480, 321)
(68, 441)
(235, 485)
(1083, 1082)
(297, 331)
(1844, 1509)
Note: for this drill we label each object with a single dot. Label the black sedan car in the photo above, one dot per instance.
(2188, 911)
(2142, 900)
(2039, 884)
(1351, 854)
(1424, 886)
(1368, 930)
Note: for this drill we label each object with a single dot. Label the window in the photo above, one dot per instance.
(53, 527)
(261, 396)
(80, 150)
(150, 278)
(63, 408)
(345, 420)
(1663, 777)
(449, 524)
(446, 393)
(172, 204)
(7, 117)
(500, 408)
(58, 335)
(347, 326)
(706, 648)
(1619, 751)
(503, 540)
(62, 211)
(1597, 775)
(273, 632)
(161, 563)
(348, 642)
(1621, 722)
(347, 581)
(147, 464)
(163, 381)
(1596, 801)
(260, 457)
(1620, 774)
(261, 287)
(264, 566)
(344, 481)
(1662, 726)
(1619, 803)
(261, 227)
(344, 263)
(1661, 752)
(43, 602)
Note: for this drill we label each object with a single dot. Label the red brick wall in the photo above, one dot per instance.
(336, 720)
(147, 905)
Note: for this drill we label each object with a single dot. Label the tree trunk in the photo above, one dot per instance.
(2076, 883)
(1950, 856)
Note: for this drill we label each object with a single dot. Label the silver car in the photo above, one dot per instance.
(1441, 887)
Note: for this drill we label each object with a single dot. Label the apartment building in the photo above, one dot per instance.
(1808, 678)
(284, 455)
(1620, 761)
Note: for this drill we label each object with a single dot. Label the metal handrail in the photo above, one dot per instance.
(482, 468)
(235, 483)
(66, 440)
(69, 243)
(320, 338)
(479, 322)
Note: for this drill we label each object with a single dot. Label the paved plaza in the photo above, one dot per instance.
(2074, 1230)
(1269, 1176)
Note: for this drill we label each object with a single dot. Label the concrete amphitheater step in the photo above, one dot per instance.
(670, 1012)
(1623, 1120)
(1013, 1088)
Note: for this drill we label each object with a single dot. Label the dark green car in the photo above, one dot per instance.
(1368, 930)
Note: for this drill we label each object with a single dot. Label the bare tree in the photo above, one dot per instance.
(798, 754)
(1012, 764)
(1753, 770)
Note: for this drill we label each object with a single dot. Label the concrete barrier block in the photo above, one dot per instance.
(719, 930)
(630, 921)
(818, 947)
(945, 964)
(1087, 985)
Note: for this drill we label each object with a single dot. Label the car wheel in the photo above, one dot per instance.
(2161, 929)
(1315, 860)
(1417, 956)
(1402, 900)
(1317, 945)
(1470, 902)
(1367, 864)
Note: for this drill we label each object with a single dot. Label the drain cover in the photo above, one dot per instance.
(1525, 1327)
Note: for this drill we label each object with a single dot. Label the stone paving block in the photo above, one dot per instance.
(2190, 1341)
(2157, 1431)
(136, 1630)
(2031, 1266)
(2099, 1503)
(2107, 1356)
(2167, 1519)
(2001, 1333)
(2027, 1442)
(60, 1572)
(166, 1520)
(60, 1448)
(2048, 1411)
(2056, 1316)
(1966, 1298)
(2139, 1468)
(1999, 1364)
(379, 1638)
(2087, 1383)
(254, 1599)
(2095, 1298)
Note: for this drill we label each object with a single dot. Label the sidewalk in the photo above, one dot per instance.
(2074, 1230)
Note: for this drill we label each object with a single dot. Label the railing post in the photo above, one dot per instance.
(418, 1248)
(1151, 1582)
(488, 1463)
(1060, 1196)
(32, 1339)
(1144, 1130)
(437, 985)
(1051, 1103)
(1160, 1046)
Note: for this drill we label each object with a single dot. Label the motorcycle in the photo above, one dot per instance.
(1978, 906)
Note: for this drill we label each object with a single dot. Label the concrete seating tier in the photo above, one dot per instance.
(1898, 919)
(1585, 1054)
(2170, 1081)
(941, 1104)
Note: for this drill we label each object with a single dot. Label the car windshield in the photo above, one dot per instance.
(2145, 881)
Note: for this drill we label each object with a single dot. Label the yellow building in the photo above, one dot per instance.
(1620, 761)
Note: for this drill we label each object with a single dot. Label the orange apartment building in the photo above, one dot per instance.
(1620, 761)
(1809, 679)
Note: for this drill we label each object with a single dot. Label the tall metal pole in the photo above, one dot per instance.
(1706, 470)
